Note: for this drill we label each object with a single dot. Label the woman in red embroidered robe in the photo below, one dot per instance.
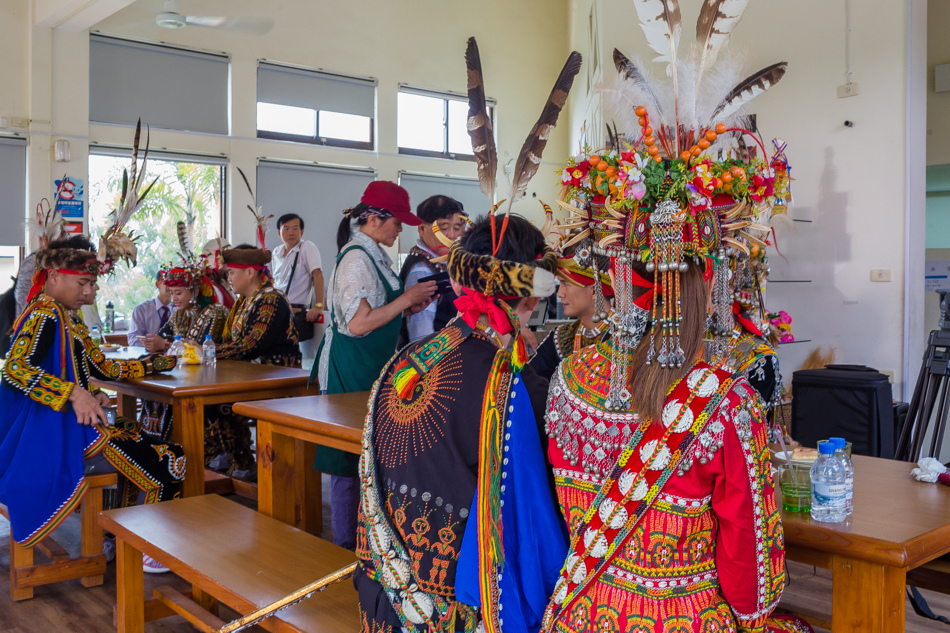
(669, 500)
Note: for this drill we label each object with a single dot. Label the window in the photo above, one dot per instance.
(167, 86)
(312, 106)
(421, 186)
(434, 124)
(13, 186)
(188, 188)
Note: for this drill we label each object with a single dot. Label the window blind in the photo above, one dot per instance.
(168, 87)
(315, 89)
(13, 188)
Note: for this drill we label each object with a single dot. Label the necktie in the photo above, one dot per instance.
(163, 316)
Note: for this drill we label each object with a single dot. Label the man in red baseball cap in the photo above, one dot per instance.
(366, 303)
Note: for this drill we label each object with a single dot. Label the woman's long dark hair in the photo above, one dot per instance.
(649, 383)
(343, 232)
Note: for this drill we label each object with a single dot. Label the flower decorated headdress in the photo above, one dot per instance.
(115, 244)
(688, 186)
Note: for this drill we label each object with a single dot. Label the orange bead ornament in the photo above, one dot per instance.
(711, 136)
(640, 111)
(642, 121)
(602, 165)
(653, 150)
(721, 128)
(703, 144)
(648, 131)
(650, 140)
(658, 159)
(610, 171)
(685, 156)
(726, 177)
(696, 151)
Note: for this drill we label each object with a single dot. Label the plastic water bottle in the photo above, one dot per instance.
(208, 351)
(95, 335)
(177, 349)
(108, 325)
(828, 487)
(842, 456)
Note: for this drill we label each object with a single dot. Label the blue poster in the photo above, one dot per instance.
(70, 203)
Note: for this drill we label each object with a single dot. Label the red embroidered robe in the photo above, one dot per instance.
(708, 555)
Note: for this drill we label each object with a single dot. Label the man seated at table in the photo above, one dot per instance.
(259, 328)
(150, 316)
(436, 481)
(53, 430)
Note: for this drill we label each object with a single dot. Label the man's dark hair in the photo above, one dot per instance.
(522, 242)
(244, 247)
(437, 207)
(159, 276)
(287, 217)
(78, 242)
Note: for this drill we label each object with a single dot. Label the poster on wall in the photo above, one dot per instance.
(937, 275)
(70, 203)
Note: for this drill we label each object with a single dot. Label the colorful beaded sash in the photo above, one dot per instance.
(635, 483)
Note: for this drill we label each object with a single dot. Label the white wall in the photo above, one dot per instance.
(523, 46)
(938, 104)
(849, 182)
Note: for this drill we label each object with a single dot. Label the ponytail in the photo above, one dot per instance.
(345, 231)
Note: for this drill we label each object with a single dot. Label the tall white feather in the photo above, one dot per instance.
(716, 20)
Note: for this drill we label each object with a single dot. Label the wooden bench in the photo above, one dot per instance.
(229, 553)
(89, 566)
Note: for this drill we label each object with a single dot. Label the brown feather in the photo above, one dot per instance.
(716, 20)
(749, 88)
(529, 159)
(247, 183)
(479, 123)
(629, 72)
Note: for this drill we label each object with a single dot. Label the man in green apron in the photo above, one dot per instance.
(366, 304)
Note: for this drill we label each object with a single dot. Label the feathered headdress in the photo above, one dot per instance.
(257, 212)
(47, 223)
(115, 243)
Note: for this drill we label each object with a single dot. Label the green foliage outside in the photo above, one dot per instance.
(188, 192)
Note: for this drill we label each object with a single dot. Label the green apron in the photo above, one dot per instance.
(354, 365)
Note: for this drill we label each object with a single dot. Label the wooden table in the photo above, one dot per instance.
(189, 388)
(287, 431)
(228, 553)
(898, 524)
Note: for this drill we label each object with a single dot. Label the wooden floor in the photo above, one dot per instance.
(71, 607)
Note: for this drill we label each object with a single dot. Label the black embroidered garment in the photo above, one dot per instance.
(262, 328)
(559, 344)
(427, 452)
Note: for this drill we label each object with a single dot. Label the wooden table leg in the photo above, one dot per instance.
(130, 589)
(275, 474)
(188, 429)
(90, 540)
(127, 406)
(867, 597)
(308, 488)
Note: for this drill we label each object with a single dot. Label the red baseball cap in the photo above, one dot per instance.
(383, 194)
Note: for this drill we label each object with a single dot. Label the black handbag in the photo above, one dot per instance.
(305, 330)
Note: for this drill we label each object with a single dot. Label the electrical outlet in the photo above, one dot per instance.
(20, 122)
(891, 375)
(847, 90)
(880, 274)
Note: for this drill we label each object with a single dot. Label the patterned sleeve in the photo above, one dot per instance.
(105, 368)
(355, 279)
(262, 329)
(750, 554)
(23, 371)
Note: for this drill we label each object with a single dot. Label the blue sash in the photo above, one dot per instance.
(534, 535)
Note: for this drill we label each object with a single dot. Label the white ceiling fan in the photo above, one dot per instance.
(170, 18)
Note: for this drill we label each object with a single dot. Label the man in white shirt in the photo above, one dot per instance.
(297, 270)
(149, 316)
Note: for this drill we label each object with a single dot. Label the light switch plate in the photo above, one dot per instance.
(880, 274)
(847, 90)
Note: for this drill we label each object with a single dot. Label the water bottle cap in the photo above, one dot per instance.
(207, 337)
(95, 327)
(839, 442)
(826, 448)
(177, 338)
